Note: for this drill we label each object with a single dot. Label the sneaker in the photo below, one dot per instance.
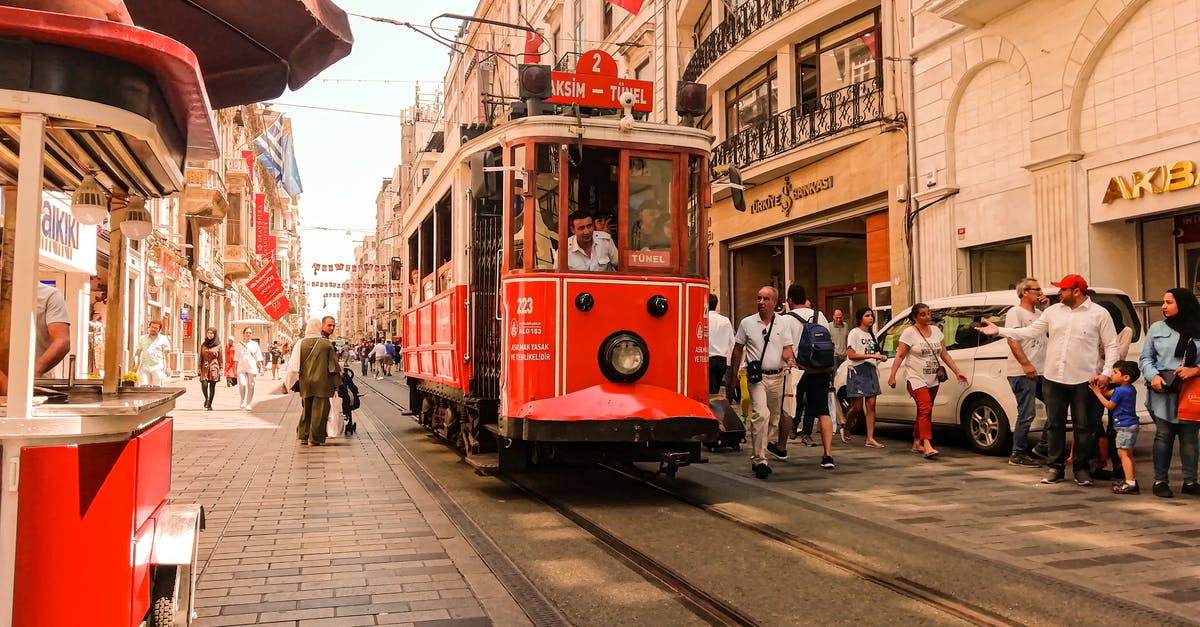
(807, 441)
(827, 462)
(1084, 478)
(761, 470)
(1040, 451)
(1162, 490)
(774, 451)
(1190, 488)
(1023, 460)
(1053, 475)
(1126, 488)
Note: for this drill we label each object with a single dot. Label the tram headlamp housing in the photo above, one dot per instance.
(624, 357)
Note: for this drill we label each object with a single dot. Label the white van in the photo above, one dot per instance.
(985, 408)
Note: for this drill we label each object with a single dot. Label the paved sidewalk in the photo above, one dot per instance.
(338, 535)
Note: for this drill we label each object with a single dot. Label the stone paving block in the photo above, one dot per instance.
(343, 621)
(255, 608)
(412, 617)
(293, 615)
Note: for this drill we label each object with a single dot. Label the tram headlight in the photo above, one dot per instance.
(624, 357)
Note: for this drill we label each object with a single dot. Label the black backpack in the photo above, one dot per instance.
(815, 350)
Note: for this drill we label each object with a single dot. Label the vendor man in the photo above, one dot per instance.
(53, 328)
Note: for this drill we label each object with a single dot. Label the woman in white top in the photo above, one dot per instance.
(862, 384)
(924, 343)
(249, 362)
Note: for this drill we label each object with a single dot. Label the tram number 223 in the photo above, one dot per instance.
(524, 305)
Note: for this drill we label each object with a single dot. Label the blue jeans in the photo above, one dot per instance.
(1086, 413)
(1164, 444)
(1026, 390)
(364, 365)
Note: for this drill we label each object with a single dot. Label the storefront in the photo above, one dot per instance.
(67, 262)
(825, 226)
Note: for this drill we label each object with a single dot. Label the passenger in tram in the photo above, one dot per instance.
(587, 249)
(53, 329)
(653, 229)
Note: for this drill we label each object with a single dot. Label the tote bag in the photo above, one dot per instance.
(1189, 400)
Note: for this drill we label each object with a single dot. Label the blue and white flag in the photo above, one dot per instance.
(291, 173)
(270, 149)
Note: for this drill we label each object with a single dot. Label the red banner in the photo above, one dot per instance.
(633, 6)
(262, 227)
(279, 308)
(248, 155)
(266, 285)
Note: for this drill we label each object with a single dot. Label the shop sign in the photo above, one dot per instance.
(66, 244)
(1164, 178)
(789, 194)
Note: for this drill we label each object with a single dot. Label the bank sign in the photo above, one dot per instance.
(66, 245)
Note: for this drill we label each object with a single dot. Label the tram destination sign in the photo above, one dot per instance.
(595, 84)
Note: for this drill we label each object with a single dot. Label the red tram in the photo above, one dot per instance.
(522, 343)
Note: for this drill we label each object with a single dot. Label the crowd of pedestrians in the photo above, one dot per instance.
(1070, 356)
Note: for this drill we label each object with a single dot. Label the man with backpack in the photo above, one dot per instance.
(814, 350)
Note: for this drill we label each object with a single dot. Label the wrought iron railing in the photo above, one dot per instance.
(744, 21)
(837, 111)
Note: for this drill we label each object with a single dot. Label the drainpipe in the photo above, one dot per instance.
(913, 259)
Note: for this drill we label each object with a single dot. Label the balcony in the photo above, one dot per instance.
(972, 13)
(237, 173)
(203, 192)
(841, 110)
(237, 262)
(742, 23)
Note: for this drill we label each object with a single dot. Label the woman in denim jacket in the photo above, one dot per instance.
(1165, 351)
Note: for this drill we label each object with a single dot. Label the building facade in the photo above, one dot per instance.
(1057, 137)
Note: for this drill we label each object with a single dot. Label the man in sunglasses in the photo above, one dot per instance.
(1024, 367)
(767, 344)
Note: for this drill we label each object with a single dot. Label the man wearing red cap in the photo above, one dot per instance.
(1079, 332)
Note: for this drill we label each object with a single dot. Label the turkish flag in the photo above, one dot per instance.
(633, 6)
(533, 43)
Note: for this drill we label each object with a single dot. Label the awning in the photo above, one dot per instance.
(249, 322)
(251, 51)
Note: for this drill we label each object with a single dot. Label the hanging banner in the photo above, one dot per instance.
(266, 285)
(278, 308)
(262, 227)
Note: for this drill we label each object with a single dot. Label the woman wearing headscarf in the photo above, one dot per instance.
(314, 365)
(210, 366)
(1169, 358)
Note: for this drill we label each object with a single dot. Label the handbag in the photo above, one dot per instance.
(1189, 400)
(1170, 381)
(940, 373)
(754, 368)
(296, 385)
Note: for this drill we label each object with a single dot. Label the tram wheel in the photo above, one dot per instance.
(163, 596)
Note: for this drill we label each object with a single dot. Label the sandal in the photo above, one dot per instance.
(845, 436)
(874, 445)
(932, 454)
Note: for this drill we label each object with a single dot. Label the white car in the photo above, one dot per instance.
(985, 408)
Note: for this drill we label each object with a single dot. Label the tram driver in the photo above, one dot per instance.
(588, 249)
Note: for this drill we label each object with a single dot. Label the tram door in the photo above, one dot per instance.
(487, 227)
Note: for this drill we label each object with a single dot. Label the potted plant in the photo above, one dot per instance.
(129, 379)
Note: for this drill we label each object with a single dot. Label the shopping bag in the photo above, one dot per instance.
(1189, 400)
(791, 378)
(334, 426)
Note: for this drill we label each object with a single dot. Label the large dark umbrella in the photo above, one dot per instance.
(251, 50)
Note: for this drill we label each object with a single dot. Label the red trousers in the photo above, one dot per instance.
(923, 428)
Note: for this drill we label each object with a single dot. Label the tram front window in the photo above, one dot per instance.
(651, 229)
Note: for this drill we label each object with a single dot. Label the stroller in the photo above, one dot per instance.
(348, 391)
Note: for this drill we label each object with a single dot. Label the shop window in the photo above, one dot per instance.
(545, 216)
(753, 100)
(998, 266)
(836, 59)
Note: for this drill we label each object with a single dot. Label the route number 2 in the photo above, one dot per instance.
(524, 305)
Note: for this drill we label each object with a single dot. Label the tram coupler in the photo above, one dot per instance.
(670, 462)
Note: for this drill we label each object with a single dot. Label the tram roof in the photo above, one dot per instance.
(606, 129)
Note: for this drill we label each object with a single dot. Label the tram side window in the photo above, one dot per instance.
(695, 180)
(445, 269)
(593, 236)
(545, 216)
(651, 228)
(414, 263)
(517, 254)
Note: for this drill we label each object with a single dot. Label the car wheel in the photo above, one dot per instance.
(986, 426)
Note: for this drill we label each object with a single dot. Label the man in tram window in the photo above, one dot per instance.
(53, 329)
(653, 228)
(588, 249)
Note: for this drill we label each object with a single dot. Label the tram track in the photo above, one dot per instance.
(705, 605)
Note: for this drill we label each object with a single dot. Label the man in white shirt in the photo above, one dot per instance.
(764, 338)
(589, 250)
(812, 392)
(1078, 330)
(151, 356)
(720, 343)
(250, 360)
(53, 329)
(1024, 367)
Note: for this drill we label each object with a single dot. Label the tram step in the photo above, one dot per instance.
(484, 462)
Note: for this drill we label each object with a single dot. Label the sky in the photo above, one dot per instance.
(343, 157)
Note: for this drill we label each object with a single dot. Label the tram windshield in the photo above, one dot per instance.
(601, 209)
